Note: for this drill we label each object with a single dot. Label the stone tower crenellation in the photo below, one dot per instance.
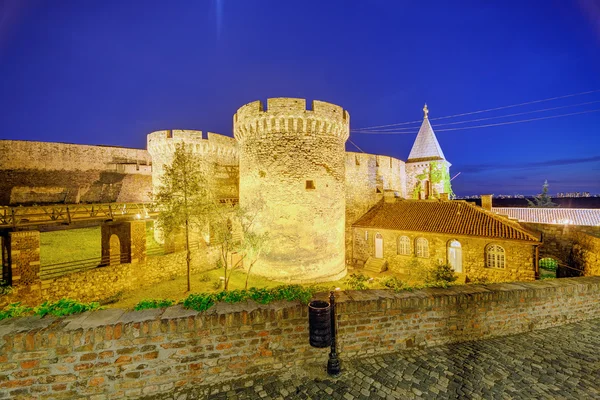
(218, 150)
(216, 153)
(293, 160)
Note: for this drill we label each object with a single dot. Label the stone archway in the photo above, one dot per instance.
(123, 242)
(114, 250)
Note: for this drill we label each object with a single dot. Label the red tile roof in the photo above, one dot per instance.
(451, 217)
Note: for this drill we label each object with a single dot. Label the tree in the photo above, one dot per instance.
(542, 200)
(183, 199)
(253, 245)
(231, 229)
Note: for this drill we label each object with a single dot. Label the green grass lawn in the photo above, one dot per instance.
(78, 244)
(69, 245)
(85, 243)
(175, 289)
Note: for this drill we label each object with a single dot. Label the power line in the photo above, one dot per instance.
(488, 125)
(483, 111)
(399, 130)
(484, 119)
(521, 121)
(355, 145)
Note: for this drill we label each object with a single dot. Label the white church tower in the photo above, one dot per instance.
(427, 170)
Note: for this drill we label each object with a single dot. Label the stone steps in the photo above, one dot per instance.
(376, 265)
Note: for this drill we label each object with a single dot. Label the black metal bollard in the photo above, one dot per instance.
(333, 364)
(319, 323)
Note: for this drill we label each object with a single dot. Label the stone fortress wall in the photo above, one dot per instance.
(212, 149)
(368, 176)
(43, 172)
(292, 160)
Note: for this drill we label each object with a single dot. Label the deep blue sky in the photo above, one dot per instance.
(111, 71)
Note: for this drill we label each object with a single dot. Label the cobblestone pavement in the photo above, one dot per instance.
(556, 363)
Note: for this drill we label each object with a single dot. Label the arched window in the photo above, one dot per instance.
(404, 245)
(495, 257)
(422, 247)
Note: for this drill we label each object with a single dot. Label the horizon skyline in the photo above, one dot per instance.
(101, 73)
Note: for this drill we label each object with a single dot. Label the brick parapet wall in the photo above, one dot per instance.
(129, 354)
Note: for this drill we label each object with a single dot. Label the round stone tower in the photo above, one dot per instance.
(218, 151)
(293, 160)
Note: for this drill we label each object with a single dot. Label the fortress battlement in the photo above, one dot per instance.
(285, 115)
(164, 142)
(379, 161)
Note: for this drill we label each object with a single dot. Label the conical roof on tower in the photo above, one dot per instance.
(426, 146)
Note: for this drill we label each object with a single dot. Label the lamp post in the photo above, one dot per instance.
(333, 364)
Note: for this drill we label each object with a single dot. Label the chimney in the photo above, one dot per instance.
(389, 196)
(486, 201)
(444, 197)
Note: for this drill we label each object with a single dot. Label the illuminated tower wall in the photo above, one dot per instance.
(293, 159)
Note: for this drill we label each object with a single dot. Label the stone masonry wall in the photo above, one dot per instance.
(559, 241)
(413, 169)
(519, 255)
(292, 160)
(24, 260)
(115, 354)
(103, 282)
(216, 151)
(367, 177)
(38, 172)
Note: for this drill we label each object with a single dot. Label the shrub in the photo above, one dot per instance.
(64, 307)
(5, 288)
(15, 310)
(478, 281)
(203, 301)
(204, 278)
(393, 283)
(199, 302)
(358, 281)
(293, 292)
(153, 303)
(441, 273)
(549, 264)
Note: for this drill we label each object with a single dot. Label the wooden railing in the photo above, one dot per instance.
(66, 214)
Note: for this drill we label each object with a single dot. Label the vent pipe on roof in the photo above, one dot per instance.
(389, 196)
(486, 201)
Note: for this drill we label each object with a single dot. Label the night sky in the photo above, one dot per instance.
(111, 71)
